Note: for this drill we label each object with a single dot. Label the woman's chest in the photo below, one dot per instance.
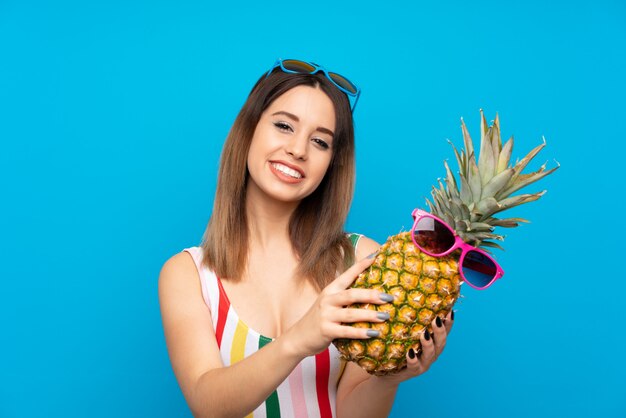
(269, 307)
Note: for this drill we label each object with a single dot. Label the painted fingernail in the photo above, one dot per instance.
(373, 333)
(452, 315)
(383, 315)
(426, 335)
(385, 297)
(411, 353)
(372, 255)
(438, 322)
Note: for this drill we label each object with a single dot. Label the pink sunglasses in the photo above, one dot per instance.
(436, 238)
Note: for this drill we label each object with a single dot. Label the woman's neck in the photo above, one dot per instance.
(268, 219)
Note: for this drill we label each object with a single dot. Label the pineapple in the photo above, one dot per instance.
(423, 286)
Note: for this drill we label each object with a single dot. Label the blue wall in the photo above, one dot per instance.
(112, 117)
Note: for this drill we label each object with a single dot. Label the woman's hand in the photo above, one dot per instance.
(432, 346)
(363, 395)
(323, 321)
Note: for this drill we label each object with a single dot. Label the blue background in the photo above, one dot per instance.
(112, 118)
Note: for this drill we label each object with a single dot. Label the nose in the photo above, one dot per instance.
(297, 147)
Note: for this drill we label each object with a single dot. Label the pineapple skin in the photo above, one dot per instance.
(423, 287)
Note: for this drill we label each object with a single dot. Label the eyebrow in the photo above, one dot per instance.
(297, 119)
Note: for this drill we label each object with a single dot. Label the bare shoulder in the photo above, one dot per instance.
(365, 247)
(178, 270)
(187, 324)
(180, 291)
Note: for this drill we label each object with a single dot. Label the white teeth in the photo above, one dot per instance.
(286, 170)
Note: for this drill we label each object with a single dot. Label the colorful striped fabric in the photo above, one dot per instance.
(311, 388)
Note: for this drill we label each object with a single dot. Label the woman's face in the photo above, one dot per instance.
(292, 145)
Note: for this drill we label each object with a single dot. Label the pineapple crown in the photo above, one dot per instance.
(485, 187)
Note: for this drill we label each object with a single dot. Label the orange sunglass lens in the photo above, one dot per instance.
(298, 66)
(343, 82)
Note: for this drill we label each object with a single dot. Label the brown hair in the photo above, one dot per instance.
(316, 226)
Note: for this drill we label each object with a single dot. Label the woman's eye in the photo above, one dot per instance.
(282, 126)
(321, 143)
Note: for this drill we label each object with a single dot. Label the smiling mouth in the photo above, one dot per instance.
(287, 171)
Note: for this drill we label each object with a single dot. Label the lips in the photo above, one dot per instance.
(287, 172)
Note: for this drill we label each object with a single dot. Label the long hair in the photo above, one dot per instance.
(316, 226)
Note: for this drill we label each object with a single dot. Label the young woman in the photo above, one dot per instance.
(249, 316)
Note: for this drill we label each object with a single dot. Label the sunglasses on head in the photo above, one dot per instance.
(302, 67)
(437, 239)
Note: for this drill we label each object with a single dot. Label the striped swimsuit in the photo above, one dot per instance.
(311, 388)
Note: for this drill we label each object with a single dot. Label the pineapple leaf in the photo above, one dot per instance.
(484, 126)
(497, 183)
(513, 201)
(507, 222)
(486, 235)
(466, 211)
(448, 218)
(490, 244)
(473, 179)
(455, 205)
(480, 227)
(466, 191)
(467, 141)
(461, 225)
(486, 162)
(453, 189)
(505, 155)
(460, 158)
(524, 180)
(496, 144)
(432, 207)
(486, 207)
(520, 165)
(440, 201)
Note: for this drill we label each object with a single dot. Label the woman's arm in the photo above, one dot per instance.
(209, 387)
(234, 391)
(361, 395)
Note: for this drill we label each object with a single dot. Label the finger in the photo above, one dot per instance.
(346, 331)
(346, 278)
(449, 321)
(349, 315)
(414, 363)
(440, 335)
(428, 348)
(412, 356)
(350, 296)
